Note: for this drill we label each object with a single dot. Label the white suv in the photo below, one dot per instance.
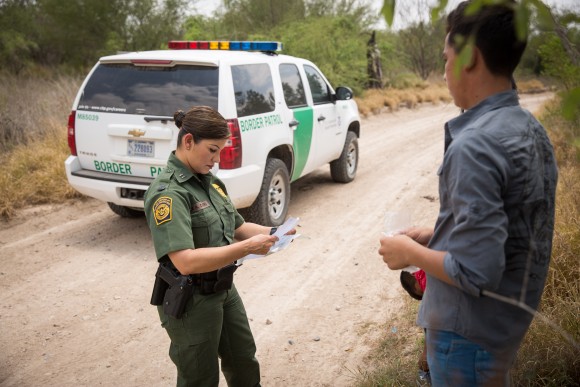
(285, 118)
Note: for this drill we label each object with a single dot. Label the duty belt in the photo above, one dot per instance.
(214, 281)
(173, 290)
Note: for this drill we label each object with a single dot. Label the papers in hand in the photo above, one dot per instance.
(282, 242)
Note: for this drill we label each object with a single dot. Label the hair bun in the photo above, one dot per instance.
(178, 117)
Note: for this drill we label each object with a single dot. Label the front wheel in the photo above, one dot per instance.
(271, 206)
(343, 169)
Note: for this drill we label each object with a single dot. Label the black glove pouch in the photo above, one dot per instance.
(225, 278)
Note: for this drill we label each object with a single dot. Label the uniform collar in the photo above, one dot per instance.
(183, 173)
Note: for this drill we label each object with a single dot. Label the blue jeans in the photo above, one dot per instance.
(455, 361)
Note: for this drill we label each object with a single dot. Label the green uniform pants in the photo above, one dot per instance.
(213, 325)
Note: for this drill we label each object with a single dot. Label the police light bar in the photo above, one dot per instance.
(225, 45)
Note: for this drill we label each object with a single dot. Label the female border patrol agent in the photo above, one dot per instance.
(196, 231)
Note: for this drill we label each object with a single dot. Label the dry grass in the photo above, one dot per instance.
(532, 86)
(36, 174)
(30, 104)
(394, 360)
(33, 142)
(376, 101)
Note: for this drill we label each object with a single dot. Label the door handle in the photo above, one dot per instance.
(294, 124)
(321, 118)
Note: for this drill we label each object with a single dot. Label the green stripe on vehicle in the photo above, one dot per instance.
(302, 139)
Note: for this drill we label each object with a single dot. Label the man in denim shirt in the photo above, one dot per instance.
(493, 237)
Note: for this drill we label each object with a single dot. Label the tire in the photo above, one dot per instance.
(125, 212)
(343, 169)
(271, 206)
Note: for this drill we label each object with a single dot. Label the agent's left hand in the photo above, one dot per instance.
(260, 244)
(394, 250)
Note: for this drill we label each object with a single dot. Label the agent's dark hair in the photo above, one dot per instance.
(494, 30)
(203, 123)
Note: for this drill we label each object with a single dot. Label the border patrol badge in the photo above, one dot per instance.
(162, 210)
(220, 190)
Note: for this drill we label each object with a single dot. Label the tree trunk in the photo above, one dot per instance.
(374, 70)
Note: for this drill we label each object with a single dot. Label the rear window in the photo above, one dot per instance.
(158, 91)
(253, 88)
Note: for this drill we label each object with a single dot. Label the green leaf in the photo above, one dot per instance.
(571, 103)
(474, 7)
(388, 11)
(544, 14)
(438, 9)
(522, 11)
(465, 55)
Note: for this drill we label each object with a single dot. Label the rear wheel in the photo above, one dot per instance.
(125, 212)
(271, 206)
(343, 169)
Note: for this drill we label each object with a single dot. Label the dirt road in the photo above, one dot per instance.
(76, 279)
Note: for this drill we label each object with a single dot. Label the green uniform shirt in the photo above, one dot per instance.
(186, 210)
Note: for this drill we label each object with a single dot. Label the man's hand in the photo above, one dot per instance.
(421, 235)
(394, 251)
(400, 251)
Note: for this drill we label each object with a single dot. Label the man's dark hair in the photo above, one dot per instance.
(494, 30)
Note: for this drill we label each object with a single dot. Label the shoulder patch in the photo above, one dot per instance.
(162, 210)
(220, 190)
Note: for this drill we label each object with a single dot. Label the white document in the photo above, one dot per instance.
(282, 242)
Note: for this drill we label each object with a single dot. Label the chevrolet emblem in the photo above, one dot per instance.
(136, 133)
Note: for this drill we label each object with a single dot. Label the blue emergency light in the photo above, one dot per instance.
(225, 45)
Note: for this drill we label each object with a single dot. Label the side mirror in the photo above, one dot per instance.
(343, 93)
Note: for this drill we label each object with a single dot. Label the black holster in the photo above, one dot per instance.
(171, 289)
(225, 277)
(217, 280)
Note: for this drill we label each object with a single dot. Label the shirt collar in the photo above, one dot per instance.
(506, 98)
(181, 172)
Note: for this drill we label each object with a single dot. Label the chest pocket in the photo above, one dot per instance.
(229, 219)
(204, 224)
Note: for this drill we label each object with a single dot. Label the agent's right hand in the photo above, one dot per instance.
(260, 244)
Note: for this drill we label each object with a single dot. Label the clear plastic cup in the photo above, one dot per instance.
(395, 222)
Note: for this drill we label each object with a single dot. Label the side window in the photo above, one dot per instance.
(318, 87)
(253, 89)
(292, 85)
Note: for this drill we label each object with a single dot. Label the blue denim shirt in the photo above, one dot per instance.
(497, 187)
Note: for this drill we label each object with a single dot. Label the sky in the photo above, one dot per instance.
(207, 7)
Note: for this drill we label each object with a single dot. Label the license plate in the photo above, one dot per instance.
(139, 148)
